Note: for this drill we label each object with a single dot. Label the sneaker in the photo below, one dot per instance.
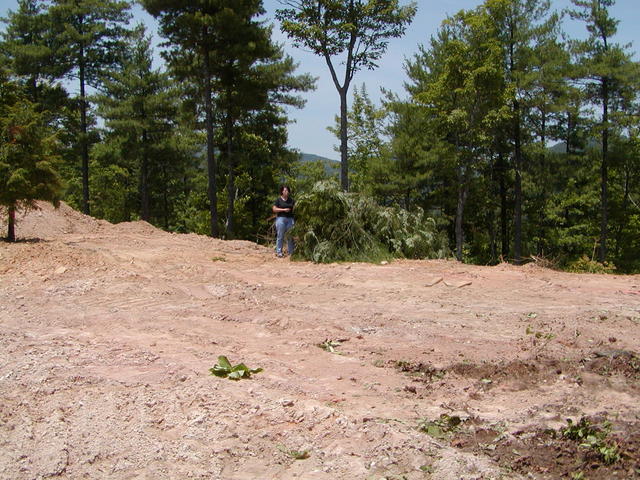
(279, 255)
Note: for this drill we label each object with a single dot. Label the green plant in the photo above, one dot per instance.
(218, 259)
(585, 265)
(335, 226)
(539, 339)
(224, 369)
(441, 427)
(295, 454)
(330, 345)
(594, 438)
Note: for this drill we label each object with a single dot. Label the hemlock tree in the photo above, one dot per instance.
(27, 160)
(251, 73)
(357, 29)
(89, 39)
(264, 86)
(520, 26)
(610, 81)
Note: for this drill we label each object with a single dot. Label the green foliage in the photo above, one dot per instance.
(586, 265)
(28, 160)
(593, 437)
(224, 369)
(358, 30)
(334, 226)
(365, 141)
(330, 345)
(440, 428)
(295, 454)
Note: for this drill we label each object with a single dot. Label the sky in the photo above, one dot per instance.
(308, 131)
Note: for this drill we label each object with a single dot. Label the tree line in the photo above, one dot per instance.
(125, 140)
(519, 141)
(200, 144)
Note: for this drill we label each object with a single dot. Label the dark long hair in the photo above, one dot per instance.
(282, 187)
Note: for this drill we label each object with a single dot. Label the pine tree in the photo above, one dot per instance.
(140, 111)
(89, 39)
(610, 81)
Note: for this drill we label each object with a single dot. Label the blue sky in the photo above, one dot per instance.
(308, 132)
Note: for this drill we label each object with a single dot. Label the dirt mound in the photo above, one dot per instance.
(408, 370)
(47, 222)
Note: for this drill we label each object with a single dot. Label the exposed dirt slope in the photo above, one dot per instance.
(107, 334)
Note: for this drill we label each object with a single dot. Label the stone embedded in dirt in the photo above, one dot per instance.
(459, 284)
(433, 281)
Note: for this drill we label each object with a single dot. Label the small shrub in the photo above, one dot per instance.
(593, 437)
(441, 427)
(585, 265)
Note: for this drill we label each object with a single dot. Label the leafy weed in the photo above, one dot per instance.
(224, 369)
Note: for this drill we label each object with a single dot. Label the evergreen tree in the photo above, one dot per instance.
(27, 155)
(459, 84)
(521, 26)
(89, 39)
(610, 81)
(140, 111)
(26, 48)
(197, 36)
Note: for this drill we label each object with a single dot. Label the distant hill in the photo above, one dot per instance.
(331, 167)
(562, 146)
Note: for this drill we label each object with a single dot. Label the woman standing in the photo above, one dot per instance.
(283, 208)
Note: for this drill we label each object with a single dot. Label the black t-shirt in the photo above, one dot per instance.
(288, 203)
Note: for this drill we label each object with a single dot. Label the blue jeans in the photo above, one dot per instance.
(283, 225)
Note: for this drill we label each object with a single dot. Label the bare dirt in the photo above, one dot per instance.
(439, 370)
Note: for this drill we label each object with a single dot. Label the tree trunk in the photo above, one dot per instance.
(11, 229)
(231, 181)
(504, 237)
(144, 179)
(165, 199)
(84, 140)
(211, 161)
(344, 161)
(604, 174)
(517, 223)
(569, 146)
(544, 177)
(463, 190)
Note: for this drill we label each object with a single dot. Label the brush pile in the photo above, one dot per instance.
(334, 226)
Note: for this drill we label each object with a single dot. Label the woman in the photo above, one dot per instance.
(283, 208)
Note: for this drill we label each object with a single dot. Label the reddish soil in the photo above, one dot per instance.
(108, 332)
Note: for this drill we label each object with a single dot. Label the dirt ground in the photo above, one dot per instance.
(406, 370)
